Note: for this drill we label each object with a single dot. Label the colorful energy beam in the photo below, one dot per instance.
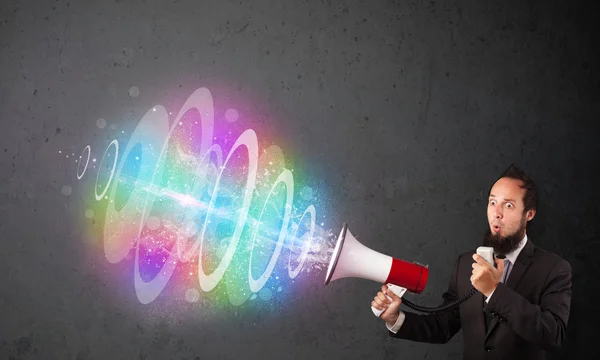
(203, 208)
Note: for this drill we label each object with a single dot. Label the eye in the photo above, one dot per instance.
(492, 202)
(509, 205)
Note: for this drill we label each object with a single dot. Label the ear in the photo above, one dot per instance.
(530, 214)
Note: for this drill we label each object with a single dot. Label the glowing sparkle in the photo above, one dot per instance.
(101, 123)
(192, 295)
(134, 91)
(66, 190)
(231, 115)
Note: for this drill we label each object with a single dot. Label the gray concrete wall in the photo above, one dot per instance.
(400, 113)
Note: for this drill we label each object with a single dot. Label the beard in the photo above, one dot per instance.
(505, 244)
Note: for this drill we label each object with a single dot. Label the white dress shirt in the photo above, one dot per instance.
(512, 256)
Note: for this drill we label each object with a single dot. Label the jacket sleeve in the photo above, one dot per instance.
(545, 324)
(437, 328)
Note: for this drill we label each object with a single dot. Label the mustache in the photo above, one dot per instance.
(503, 244)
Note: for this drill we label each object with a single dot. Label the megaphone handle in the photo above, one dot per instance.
(398, 290)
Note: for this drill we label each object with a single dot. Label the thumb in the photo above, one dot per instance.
(500, 264)
(393, 295)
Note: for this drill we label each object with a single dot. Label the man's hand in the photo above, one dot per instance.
(392, 308)
(485, 277)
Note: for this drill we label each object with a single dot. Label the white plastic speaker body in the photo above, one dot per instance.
(487, 253)
(352, 259)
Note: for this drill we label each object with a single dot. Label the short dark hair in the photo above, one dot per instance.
(530, 200)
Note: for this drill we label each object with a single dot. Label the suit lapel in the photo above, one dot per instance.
(518, 270)
(515, 276)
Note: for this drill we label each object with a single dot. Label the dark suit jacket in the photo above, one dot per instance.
(529, 313)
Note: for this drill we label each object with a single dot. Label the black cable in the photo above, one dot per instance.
(459, 301)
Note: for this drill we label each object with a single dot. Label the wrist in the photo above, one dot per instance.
(391, 321)
(491, 291)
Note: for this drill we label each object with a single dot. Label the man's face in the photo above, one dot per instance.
(507, 219)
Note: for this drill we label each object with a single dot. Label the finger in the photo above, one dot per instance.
(383, 298)
(376, 305)
(393, 296)
(379, 303)
(384, 288)
(390, 294)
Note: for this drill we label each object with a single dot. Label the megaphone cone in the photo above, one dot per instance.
(352, 259)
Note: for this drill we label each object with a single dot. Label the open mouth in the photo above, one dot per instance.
(496, 228)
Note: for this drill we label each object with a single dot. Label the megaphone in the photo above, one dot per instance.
(352, 259)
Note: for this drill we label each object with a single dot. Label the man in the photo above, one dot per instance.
(521, 308)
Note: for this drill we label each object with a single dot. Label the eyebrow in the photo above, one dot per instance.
(510, 200)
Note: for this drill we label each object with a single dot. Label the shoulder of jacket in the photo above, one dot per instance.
(550, 258)
(466, 256)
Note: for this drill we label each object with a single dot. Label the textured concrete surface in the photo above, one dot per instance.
(404, 112)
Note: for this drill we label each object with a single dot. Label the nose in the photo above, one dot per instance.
(498, 213)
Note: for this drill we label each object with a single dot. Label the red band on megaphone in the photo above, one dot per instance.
(411, 276)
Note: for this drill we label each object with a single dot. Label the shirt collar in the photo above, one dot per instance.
(512, 256)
